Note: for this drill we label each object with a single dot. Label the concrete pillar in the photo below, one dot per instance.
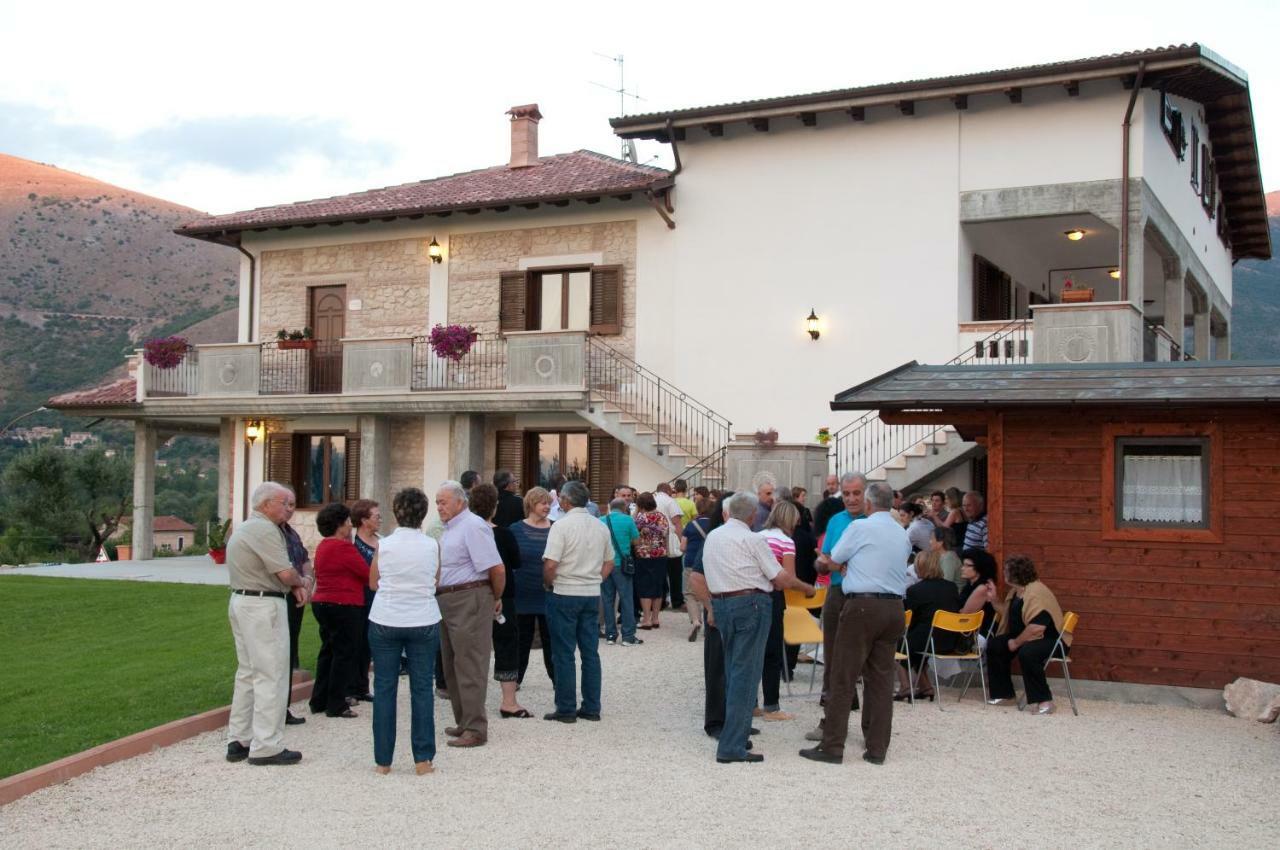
(1222, 348)
(1201, 323)
(144, 489)
(1175, 301)
(466, 443)
(375, 463)
(226, 467)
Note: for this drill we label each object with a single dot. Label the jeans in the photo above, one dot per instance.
(616, 592)
(743, 623)
(573, 619)
(418, 643)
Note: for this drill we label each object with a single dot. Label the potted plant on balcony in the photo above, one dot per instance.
(452, 342)
(218, 533)
(766, 438)
(287, 339)
(165, 352)
(824, 436)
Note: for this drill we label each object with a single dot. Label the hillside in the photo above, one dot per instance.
(88, 269)
(1255, 313)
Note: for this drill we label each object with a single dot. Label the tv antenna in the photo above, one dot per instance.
(628, 146)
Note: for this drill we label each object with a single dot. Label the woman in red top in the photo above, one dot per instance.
(337, 603)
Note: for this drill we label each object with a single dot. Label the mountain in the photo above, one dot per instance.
(1255, 308)
(87, 270)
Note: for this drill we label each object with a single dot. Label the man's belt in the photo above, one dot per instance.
(466, 585)
(733, 593)
(274, 594)
(873, 596)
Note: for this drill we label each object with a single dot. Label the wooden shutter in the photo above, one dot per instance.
(606, 300)
(280, 459)
(513, 302)
(991, 297)
(511, 456)
(604, 466)
(353, 468)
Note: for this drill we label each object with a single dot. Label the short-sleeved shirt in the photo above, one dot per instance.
(975, 533)
(779, 543)
(695, 537)
(468, 550)
(255, 553)
(668, 508)
(407, 563)
(875, 551)
(652, 540)
(531, 598)
(579, 544)
(835, 530)
(736, 558)
(687, 508)
(920, 533)
(624, 532)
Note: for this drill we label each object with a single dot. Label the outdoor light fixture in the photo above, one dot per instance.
(1115, 274)
(435, 252)
(811, 325)
(252, 431)
(1075, 234)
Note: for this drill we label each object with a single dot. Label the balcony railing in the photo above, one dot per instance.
(554, 361)
(1159, 345)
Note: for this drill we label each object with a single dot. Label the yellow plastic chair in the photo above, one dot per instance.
(1059, 654)
(799, 627)
(904, 654)
(987, 631)
(959, 624)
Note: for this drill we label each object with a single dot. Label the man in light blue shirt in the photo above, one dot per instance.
(853, 486)
(872, 554)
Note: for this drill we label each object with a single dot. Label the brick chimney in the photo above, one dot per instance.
(524, 135)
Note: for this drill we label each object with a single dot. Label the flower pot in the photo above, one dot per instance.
(1077, 296)
(219, 555)
(292, 344)
(124, 551)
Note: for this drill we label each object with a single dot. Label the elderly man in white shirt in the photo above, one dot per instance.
(872, 556)
(578, 557)
(740, 574)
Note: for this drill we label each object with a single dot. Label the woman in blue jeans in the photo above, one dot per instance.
(405, 619)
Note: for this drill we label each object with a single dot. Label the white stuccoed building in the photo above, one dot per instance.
(632, 320)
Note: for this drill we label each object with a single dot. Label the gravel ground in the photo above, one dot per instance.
(972, 776)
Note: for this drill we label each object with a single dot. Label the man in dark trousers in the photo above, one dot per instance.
(302, 563)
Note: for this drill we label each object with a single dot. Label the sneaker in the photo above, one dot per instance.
(632, 642)
(611, 640)
(282, 757)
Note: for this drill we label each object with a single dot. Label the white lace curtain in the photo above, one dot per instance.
(1163, 488)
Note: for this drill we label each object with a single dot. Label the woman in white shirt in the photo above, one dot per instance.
(405, 619)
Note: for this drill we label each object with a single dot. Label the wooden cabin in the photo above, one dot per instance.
(1148, 495)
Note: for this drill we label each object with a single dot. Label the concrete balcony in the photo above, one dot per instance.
(512, 371)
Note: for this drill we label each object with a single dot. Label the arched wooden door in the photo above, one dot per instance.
(328, 324)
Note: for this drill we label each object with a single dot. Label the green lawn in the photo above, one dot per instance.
(86, 662)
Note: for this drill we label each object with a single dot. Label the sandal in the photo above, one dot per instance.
(520, 712)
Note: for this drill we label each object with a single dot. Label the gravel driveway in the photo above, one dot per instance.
(972, 776)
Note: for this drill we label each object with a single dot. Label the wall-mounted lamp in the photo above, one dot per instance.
(435, 252)
(252, 431)
(1115, 274)
(811, 325)
(1075, 234)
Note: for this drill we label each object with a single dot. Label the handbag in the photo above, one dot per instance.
(627, 565)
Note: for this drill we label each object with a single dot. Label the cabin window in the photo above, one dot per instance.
(1162, 482)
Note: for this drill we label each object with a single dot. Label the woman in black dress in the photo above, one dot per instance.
(978, 569)
(932, 593)
(483, 502)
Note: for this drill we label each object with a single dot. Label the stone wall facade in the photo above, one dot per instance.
(477, 259)
(390, 279)
(407, 446)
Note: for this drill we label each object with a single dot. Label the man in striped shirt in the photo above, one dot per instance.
(975, 511)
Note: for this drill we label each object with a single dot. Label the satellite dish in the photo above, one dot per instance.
(629, 150)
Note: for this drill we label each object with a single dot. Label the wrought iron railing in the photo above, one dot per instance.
(707, 472)
(180, 381)
(677, 420)
(484, 367)
(1156, 334)
(868, 443)
(286, 368)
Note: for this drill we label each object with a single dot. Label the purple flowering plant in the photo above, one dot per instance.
(165, 352)
(452, 341)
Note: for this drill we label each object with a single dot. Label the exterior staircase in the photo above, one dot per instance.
(651, 416)
(908, 456)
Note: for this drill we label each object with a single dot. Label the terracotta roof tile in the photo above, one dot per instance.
(111, 393)
(171, 523)
(582, 173)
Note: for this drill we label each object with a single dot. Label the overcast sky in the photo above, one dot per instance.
(236, 105)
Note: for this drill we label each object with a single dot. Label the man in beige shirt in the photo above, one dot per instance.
(263, 582)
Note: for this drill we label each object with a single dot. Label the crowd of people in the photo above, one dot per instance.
(442, 601)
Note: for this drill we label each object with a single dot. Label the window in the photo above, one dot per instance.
(321, 468)
(1162, 482)
(1208, 174)
(1224, 232)
(538, 456)
(1195, 158)
(991, 292)
(1171, 123)
(580, 299)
